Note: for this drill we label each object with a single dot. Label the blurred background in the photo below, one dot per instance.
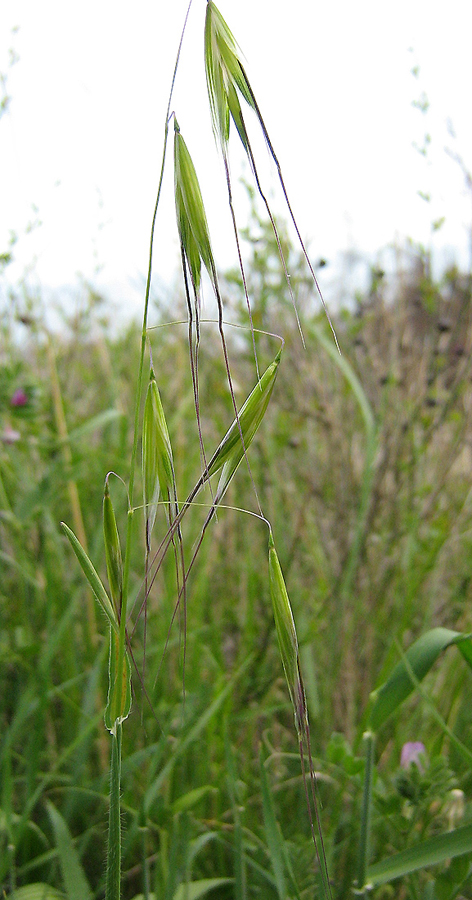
(367, 107)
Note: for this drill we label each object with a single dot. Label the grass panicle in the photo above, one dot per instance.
(226, 76)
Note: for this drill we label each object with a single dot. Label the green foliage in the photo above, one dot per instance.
(75, 882)
(417, 662)
(424, 538)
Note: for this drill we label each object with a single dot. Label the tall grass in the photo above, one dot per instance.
(54, 687)
(361, 465)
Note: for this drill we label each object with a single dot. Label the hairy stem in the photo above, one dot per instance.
(113, 886)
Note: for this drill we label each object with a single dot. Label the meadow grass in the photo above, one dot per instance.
(199, 813)
(360, 464)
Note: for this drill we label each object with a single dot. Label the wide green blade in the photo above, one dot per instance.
(419, 659)
(75, 882)
(429, 853)
(37, 891)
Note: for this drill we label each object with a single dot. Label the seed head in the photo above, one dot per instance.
(191, 217)
(287, 637)
(231, 450)
(158, 466)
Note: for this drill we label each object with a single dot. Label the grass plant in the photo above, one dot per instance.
(356, 463)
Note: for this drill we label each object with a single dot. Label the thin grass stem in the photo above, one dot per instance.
(113, 877)
(366, 814)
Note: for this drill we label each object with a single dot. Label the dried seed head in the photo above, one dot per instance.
(191, 217)
(112, 552)
(231, 450)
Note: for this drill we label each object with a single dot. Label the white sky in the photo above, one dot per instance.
(83, 136)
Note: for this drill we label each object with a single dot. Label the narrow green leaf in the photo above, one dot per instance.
(92, 577)
(195, 889)
(191, 798)
(420, 657)
(75, 882)
(119, 687)
(429, 853)
(22, 571)
(93, 424)
(194, 733)
(275, 843)
(237, 812)
(465, 648)
(37, 891)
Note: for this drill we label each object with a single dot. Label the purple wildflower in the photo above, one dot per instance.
(20, 398)
(411, 754)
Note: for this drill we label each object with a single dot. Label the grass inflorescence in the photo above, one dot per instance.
(341, 480)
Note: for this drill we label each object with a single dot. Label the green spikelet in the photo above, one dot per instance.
(191, 217)
(231, 450)
(158, 466)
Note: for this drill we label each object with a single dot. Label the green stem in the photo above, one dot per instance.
(114, 831)
(148, 280)
(364, 838)
(139, 390)
(113, 884)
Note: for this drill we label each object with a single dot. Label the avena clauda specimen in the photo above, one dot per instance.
(228, 88)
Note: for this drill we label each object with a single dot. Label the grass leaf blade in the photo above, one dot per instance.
(274, 839)
(193, 890)
(428, 853)
(420, 657)
(92, 576)
(76, 884)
